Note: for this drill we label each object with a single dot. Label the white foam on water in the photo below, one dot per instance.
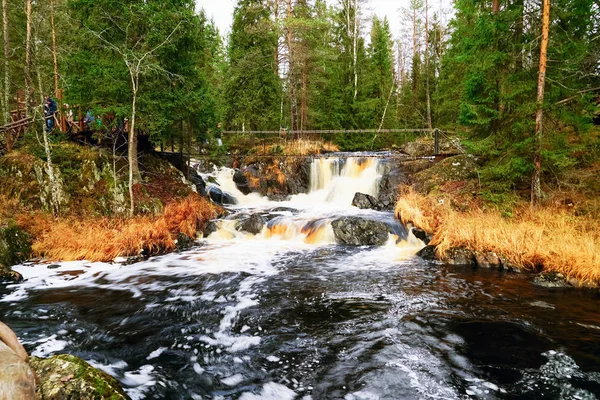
(139, 382)
(156, 353)
(271, 391)
(110, 369)
(233, 380)
(47, 346)
(556, 375)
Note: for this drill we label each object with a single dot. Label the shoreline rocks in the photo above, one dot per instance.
(65, 376)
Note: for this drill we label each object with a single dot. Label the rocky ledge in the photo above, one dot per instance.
(65, 377)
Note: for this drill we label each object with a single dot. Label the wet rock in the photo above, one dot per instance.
(198, 182)
(509, 266)
(420, 234)
(460, 256)
(550, 279)
(360, 232)
(64, 376)
(241, 181)
(219, 196)
(278, 177)
(184, 241)
(389, 186)
(488, 260)
(582, 284)
(8, 275)
(419, 148)
(427, 253)
(211, 227)
(365, 202)
(284, 209)
(253, 225)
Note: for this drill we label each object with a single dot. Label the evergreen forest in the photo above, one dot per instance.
(473, 71)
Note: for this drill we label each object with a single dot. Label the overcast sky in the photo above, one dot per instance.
(221, 11)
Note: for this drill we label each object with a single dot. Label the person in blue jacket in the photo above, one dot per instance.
(49, 111)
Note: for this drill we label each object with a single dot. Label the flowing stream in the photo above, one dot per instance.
(290, 314)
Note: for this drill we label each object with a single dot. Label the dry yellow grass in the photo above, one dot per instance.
(301, 147)
(103, 239)
(548, 239)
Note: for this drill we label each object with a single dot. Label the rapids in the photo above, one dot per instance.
(290, 314)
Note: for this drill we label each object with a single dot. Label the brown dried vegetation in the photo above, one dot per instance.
(104, 239)
(544, 238)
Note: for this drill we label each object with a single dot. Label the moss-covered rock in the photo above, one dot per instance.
(452, 169)
(15, 247)
(66, 377)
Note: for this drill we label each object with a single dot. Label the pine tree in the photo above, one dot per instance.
(252, 92)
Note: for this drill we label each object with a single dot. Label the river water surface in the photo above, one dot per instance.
(290, 314)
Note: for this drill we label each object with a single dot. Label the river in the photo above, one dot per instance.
(290, 314)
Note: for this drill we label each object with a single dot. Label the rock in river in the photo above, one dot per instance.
(365, 202)
(253, 225)
(65, 376)
(360, 232)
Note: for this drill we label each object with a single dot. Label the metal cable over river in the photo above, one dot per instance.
(291, 313)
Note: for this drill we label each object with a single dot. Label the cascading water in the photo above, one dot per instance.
(333, 184)
(287, 313)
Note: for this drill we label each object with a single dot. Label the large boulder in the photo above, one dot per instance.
(278, 177)
(389, 187)
(254, 224)
(419, 148)
(198, 182)
(66, 377)
(360, 232)
(17, 380)
(241, 181)
(427, 253)
(365, 202)
(220, 197)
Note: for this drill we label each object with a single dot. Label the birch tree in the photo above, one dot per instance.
(6, 97)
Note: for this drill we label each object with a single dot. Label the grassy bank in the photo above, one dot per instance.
(104, 238)
(542, 239)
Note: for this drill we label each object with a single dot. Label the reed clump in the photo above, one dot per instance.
(104, 239)
(538, 239)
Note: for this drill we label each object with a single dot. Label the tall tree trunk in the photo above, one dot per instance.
(427, 94)
(55, 186)
(303, 98)
(495, 6)
(291, 69)
(415, 55)
(536, 189)
(276, 53)
(57, 92)
(355, 49)
(6, 97)
(54, 50)
(519, 28)
(28, 65)
(132, 143)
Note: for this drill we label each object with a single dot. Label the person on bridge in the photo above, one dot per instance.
(49, 111)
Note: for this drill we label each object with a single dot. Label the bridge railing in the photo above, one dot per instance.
(270, 142)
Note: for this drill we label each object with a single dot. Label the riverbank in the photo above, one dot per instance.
(543, 239)
(93, 221)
